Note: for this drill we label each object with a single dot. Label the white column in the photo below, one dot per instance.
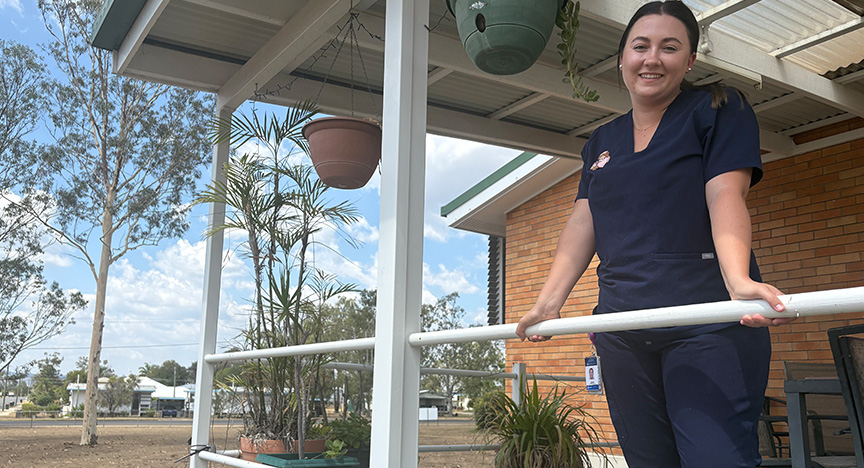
(396, 406)
(210, 314)
(518, 382)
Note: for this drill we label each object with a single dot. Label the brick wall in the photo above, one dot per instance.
(808, 234)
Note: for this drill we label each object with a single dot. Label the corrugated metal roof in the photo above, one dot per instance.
(219, 36)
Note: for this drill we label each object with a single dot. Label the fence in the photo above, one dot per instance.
(805, 304)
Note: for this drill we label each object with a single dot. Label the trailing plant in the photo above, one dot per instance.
(541, 432)
(568, 23)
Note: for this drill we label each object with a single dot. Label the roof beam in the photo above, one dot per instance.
(731, 50)
(437, 74)
(539, 78)
(858, 75)
(238, 11)
(527, 101)
(139, 30)
(723, 10)
(304, 33)
(824, 36)
(779, 101)
(446, 122)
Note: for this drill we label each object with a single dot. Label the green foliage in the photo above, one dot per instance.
(22, 87)
(281, 207)
(335, 449)
(483, 412)
(355, 431)
(118, 392)
(47, 386)
(542, 432)
(150, 413)
(568, 23)
(77, 411)
(30, 409)
(446, 314)
(168, 373)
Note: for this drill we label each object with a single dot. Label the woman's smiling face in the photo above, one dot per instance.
(655, 58)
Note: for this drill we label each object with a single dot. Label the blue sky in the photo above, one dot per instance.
(154, 295)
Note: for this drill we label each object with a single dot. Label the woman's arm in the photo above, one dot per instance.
(726, 195)
(572, 256)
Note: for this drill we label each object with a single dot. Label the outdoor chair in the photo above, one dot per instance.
(826, 413)
(772, 440)
(848, 352)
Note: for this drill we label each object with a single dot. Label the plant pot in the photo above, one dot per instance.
(313, 460)
(345, 151)
(250, 448)
(361, 454)
(504, 37)
(312, 445)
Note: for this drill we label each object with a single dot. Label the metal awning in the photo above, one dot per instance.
(799, 61)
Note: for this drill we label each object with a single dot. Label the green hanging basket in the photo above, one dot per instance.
(504, 37)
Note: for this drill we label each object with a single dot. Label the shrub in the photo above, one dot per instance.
(483, 413)
(29, 409)
(354, 432)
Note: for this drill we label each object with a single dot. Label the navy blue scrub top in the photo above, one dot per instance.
(651, 224)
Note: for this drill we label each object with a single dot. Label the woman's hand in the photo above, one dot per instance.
(533, 317)
(749, 289)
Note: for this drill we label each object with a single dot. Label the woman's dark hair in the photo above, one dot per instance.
(678, 10)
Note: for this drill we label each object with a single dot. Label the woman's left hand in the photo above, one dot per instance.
(750, 289)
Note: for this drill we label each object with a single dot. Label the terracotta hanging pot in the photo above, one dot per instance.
(504, 37)
(345, 151)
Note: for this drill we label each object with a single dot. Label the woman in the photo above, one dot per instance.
(662, 203)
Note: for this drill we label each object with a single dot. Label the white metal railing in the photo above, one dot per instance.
(835, 301)
(838, 301)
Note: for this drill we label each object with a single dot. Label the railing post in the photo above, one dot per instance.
(210, 313)
(518, 382)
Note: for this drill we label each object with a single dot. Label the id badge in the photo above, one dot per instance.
(593, 381)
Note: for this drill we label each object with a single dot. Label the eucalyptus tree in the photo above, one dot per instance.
(446, 314)
(125, 154)
(32, 310)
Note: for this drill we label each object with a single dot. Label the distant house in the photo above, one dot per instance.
(149, 394)
(429, 400)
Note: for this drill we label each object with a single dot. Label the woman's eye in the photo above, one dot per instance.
(639, 47)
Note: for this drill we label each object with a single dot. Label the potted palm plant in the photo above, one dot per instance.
(542, 431)
(279, 206)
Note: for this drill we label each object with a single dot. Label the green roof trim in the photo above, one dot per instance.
(487, 182)
(113, 22)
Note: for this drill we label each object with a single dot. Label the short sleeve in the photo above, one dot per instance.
(731, 141)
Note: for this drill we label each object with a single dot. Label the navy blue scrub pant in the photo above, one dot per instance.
(682, 399)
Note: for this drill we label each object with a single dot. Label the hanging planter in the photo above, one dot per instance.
(504, 37)
(344, 150)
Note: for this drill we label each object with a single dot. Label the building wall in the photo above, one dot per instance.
(808, 234)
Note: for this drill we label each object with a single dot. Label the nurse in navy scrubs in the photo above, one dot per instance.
(662, 202)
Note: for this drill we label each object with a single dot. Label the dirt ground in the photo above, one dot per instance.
(157, 446)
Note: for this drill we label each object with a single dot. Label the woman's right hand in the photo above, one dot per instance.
(533, 317)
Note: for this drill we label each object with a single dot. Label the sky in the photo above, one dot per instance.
(154, 298)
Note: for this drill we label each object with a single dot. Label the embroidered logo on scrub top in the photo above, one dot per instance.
(601, 161)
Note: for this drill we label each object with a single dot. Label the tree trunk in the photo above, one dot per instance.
(91, 398)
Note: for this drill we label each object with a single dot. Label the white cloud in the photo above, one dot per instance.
(452, 167)
(13, 4)
(448, 281)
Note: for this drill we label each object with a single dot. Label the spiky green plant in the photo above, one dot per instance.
(542, 432)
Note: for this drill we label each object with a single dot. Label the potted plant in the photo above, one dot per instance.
(350, 436)
(279, 206)
(344, 150)
(505, 37)
(542, 431)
